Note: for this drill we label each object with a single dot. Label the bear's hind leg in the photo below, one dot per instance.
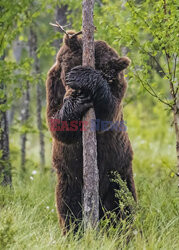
(69, 208)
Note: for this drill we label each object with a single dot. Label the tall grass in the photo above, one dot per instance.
(28, 217)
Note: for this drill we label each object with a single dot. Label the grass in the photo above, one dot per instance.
(28, 217)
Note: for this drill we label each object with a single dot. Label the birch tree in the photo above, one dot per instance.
(25, 111)
(24, 118)
(33, 54)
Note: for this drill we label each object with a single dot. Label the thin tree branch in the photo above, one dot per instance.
(142, 18)
(60, 27)
(64, 31)
(152, 91)
(76, 34)
(172, 90)
(153, 57)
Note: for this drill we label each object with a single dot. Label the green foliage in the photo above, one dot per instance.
(7, 232)
(74, 11)
(148, 33)
(127, 204)
(27, 211)
(16, 18)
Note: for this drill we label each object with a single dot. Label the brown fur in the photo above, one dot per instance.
(114, 148)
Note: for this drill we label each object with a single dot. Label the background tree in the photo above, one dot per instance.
(8, 33)
(61, 18)
(5, 167)
(34, 45)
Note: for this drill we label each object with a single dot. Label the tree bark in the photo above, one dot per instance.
(176, 124)
(33, 45)
(5, 166)
(173, 91)
(24, 118)
(17, 52)
(25, 112)
(60, 17)
(90, 168)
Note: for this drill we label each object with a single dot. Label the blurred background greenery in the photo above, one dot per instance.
(146, 31)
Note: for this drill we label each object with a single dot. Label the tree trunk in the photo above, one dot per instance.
(24, 118)
(60, 17)
(90, 168)
(17, 52)
(25, 111)
(173, 92)
(176, 124)
(40, 128)
(33, 45)
(5, 166)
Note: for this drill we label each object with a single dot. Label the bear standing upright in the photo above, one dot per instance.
(71, 90)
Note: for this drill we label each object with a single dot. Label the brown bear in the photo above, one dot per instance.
(71, 90)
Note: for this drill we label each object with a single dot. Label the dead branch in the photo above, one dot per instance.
(57, 25)
(76, 34)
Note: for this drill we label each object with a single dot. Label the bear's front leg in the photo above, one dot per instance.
(92, 83)
(72, 111)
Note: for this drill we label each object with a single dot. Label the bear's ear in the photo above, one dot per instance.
(72, 40)
(120, 64)
(124, 62)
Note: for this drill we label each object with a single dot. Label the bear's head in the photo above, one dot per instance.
(106, 59)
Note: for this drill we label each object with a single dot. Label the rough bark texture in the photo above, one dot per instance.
(38, 96)
(5, 167)
(90, 168)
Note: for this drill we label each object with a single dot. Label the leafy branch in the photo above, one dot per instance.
(152, 92)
